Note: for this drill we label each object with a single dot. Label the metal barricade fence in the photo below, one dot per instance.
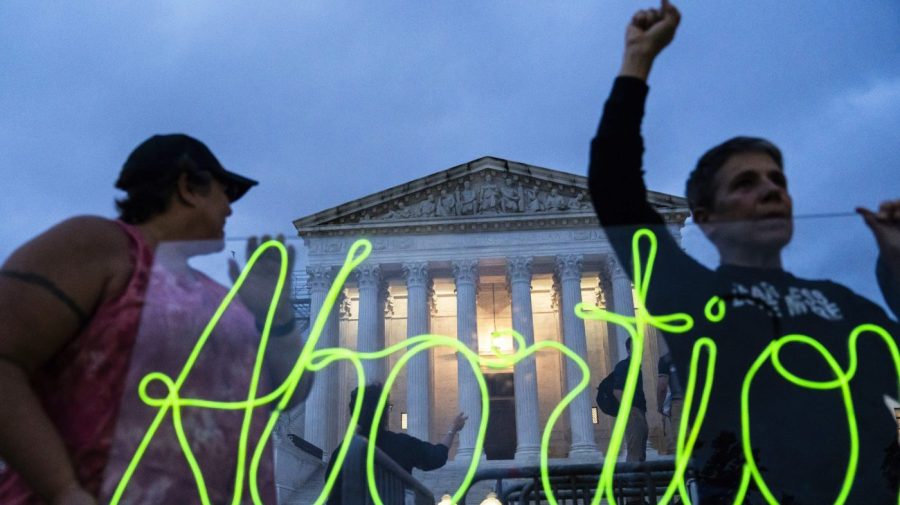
(575, 484)
(395, 485)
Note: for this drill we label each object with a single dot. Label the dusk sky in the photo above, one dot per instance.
(328, 101)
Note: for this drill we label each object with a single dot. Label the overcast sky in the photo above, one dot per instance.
(328, 101)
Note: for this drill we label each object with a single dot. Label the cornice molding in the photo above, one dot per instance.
(485, 194)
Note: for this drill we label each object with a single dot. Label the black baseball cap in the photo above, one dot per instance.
(164, 156)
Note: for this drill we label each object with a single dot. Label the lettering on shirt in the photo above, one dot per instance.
(796, 302)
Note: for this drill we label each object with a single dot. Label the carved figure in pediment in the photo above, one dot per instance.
(489, 200)
(446, 204)
(401, 212)
(577, 202)
(532, 201)
(426, 207)
(466, 203)
(555, 201)
(510, 196)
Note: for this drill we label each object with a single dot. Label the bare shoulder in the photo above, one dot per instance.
(75, 240)
(87, 251)
(55, 281)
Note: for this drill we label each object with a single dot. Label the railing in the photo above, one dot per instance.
(576, 483)
(296, 460)
(395, 485)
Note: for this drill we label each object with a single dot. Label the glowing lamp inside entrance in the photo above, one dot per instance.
(504, 343)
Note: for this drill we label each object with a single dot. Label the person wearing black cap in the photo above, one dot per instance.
(150, 174)
(71, 306)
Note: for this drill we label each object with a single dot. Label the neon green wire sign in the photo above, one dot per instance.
(311, 360)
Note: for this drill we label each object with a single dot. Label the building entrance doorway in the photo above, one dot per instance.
(500, 439)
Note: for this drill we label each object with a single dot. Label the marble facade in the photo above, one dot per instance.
(486, 245)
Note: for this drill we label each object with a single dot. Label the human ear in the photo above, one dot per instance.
(701, 217)
(185, 191)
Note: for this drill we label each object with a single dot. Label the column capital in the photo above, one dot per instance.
(568, 266)
(465, 271)
(368, 276)
(319, 277)
(611, 269)
(416, 273)
(518, 269)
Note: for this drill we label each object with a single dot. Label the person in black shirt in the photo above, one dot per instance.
(407, 451)
(636, 430)
(799, 437)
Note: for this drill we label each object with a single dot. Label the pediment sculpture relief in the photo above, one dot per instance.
(483, 195)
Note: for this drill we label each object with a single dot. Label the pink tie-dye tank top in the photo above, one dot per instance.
(90, 390)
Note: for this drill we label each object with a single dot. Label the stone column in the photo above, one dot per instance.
(322, 402)
(418, 370)
(525, 377)
(370, 332)
(333, 377)
(619, 299)
(568, 269)
(346, 371)
(465, 273)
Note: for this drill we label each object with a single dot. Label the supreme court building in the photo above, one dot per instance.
(486, 245)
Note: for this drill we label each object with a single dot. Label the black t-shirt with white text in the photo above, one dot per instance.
(799, 436)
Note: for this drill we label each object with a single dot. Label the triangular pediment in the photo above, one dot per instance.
(486, 190)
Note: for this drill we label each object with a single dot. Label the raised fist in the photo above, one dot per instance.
(651, 30)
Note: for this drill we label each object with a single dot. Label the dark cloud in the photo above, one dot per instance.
(325, 102)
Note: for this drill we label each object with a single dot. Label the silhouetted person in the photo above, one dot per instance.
(636, 429)
(407, 451)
